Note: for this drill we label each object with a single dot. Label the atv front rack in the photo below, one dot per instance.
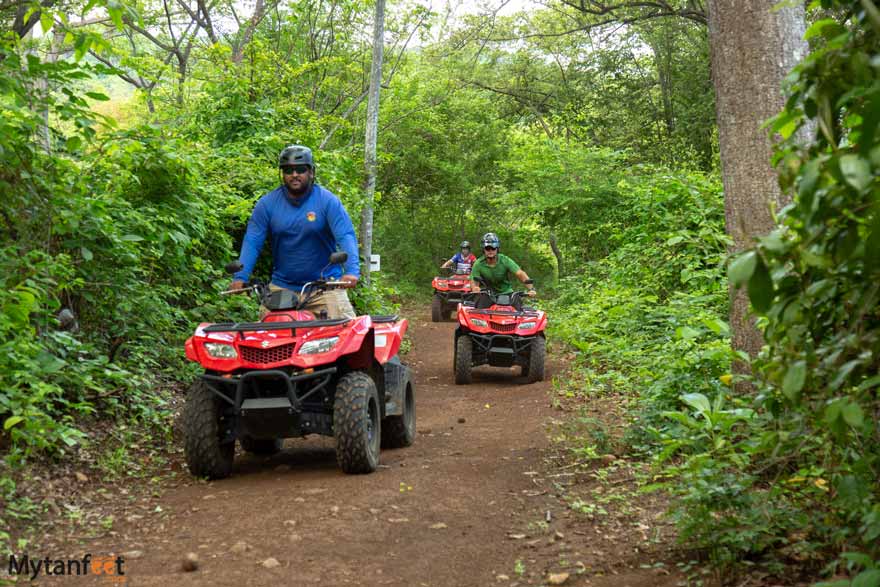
(256, 326)
(384, 318)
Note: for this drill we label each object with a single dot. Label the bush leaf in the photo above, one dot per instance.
(742, 267)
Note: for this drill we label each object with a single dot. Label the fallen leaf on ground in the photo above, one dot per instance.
(557, 578)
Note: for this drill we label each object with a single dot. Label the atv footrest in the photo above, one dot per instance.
(266, 403)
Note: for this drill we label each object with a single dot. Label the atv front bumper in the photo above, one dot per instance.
(499, 350)
(283, 412)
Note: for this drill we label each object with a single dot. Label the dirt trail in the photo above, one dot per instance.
(465, 471)
(466, 505)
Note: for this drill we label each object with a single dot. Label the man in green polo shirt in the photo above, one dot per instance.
(495, 269)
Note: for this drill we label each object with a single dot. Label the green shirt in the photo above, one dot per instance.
(497, 277)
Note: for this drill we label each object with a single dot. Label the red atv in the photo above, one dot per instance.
(293, 374)
(495, 329)
(449, 290)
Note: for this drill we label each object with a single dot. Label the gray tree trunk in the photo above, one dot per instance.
(371, 138)
(753, 47)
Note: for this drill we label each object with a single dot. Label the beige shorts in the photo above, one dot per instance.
(334, 301)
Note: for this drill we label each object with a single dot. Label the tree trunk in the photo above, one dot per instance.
(371, 138)
(554, 246)
(753, 47)
(181, 79)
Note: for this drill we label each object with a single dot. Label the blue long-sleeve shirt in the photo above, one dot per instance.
(304, 233)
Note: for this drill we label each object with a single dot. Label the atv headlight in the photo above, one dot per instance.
(479, 322)
(441, 283)
(219, 350)
(526, 325)
(322, 345)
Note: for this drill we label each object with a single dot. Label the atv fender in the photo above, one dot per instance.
(361, 359)
(388, 333)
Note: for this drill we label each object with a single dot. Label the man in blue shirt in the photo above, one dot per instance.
(306, 223)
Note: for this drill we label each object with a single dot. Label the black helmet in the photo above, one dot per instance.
(490, 239)
(465, 245)
(296, 155)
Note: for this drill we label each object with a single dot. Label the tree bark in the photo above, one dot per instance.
(554, 246)
(371, 138)
(753, 46)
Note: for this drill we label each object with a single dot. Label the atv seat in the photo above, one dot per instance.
(380, 318)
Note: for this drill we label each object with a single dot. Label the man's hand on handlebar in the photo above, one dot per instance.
(236, 285)
(531, 293)
(350, 280)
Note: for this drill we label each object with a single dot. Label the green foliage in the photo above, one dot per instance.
(647, 318)
(125, 229)
(794, 474)
(823, 327)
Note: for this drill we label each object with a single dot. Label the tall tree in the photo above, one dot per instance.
(753, 47)
(372, 136)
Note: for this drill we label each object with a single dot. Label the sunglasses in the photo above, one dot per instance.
(490, 248)
(291, 169)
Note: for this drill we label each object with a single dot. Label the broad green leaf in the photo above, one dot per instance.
(832, 412)
(773, 242)
(73, 143)
(680, 417)
(12, 421)
(869, 578)
(827, 27)
(86, 253)
(46, 21)
(131, 237)
(869, 383)
(853, 415)
(81, 45)
(794, 379)
(686, 333)
(807, 183)
(698, 401)
(856, 171)
(742, 267)
(97, 96)
(717, 326)
(761, 288)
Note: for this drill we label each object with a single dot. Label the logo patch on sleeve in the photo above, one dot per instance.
(311, 216)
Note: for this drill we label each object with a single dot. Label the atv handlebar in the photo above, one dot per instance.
(246, 289)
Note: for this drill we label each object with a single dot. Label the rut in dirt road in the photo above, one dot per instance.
(436, 513)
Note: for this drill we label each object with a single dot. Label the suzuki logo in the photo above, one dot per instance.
(264, 344)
